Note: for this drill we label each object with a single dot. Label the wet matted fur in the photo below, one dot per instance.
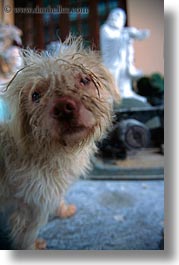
(61, 105)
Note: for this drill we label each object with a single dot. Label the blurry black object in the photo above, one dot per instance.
(152, 88)
(112, 147)
(125, 135)
(157, 137)
(133, 133)
(5, 243)
(134, 128)
(148, 116)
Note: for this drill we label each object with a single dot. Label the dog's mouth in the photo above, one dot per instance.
(72, 135)
(75, 129)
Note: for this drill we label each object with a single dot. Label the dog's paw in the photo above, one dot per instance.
(40, 244)
(66, 210)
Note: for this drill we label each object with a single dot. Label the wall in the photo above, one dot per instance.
(148, 14)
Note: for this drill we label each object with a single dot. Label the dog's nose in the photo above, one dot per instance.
(65, 108)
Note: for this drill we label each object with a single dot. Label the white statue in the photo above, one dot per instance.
(117, 50)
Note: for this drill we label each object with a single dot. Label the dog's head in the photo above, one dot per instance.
(61, 100)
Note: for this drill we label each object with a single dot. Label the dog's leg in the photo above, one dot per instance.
(66, 210)
(40, 244)
(25, 223)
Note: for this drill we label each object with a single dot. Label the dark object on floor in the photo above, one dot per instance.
(5, 243)
(157, 136)
(126, 135)
(133, 134)
(152, 88)
(122, 135)
(137, 125)
(112, 147)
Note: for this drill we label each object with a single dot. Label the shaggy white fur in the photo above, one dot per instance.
(60, 107)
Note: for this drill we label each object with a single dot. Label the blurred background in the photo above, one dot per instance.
(134, 149)
(41, 29)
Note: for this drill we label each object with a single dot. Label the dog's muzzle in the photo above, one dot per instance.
(65, 109)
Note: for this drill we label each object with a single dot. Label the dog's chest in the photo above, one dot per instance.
(41, 187)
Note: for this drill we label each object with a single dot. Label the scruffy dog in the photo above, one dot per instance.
(61, 106)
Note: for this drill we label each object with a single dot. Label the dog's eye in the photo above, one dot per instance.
(85, 81)
(36, 97)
